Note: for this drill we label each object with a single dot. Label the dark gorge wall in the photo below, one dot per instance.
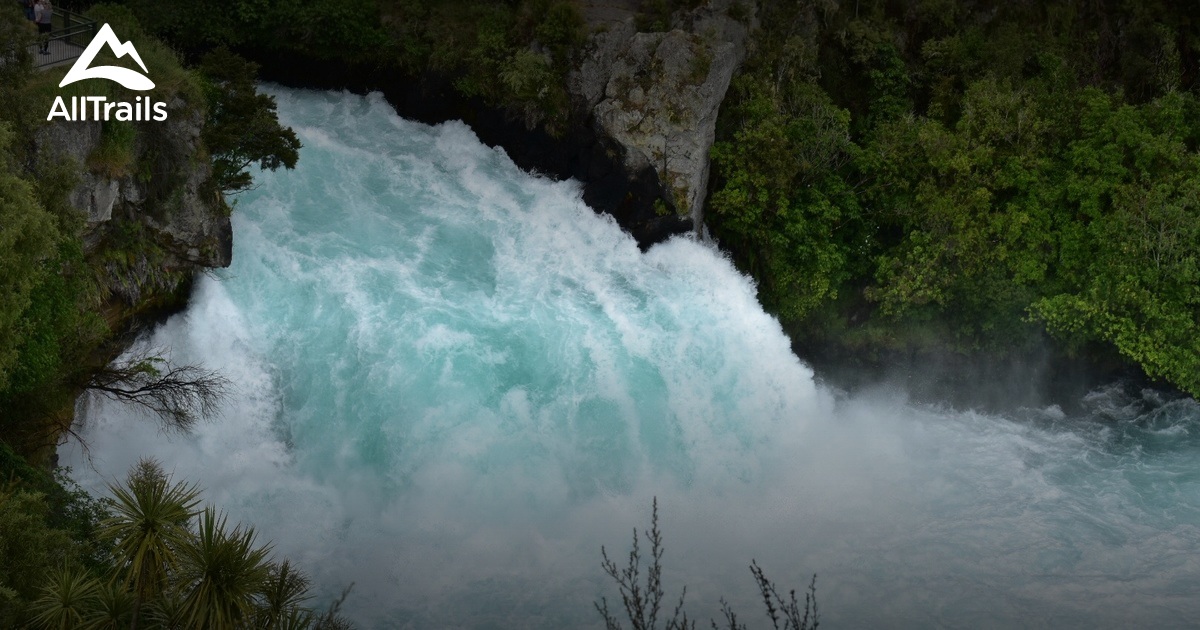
(580, 152)
(641, 119)
(988, 381)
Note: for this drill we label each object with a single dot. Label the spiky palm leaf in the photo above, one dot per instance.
(113, 608)
(284, 592)
(296, 619)
(68, 600)
(221, 573)
(168, 611)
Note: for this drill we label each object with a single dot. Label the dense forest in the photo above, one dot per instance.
(975, 175)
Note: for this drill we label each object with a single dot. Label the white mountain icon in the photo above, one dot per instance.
(126, 77)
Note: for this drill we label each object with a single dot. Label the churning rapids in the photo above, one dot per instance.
(455, 382)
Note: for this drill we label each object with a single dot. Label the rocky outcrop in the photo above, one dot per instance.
(644, 108)
(656, 95)
(155, 217)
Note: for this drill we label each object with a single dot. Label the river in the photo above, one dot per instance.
(454, 382)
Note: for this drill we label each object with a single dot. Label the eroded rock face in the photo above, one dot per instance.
(163, 212)
(656, 95)
(668, 129)
(192, 212)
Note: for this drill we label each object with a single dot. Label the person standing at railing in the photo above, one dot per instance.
(28, 6)
(43, 13)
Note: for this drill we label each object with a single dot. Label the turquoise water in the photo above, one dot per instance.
(455, 382)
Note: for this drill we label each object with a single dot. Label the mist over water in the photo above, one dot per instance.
(454, 382)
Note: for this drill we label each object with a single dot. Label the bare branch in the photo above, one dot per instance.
(793, 617)
(642, 603)
(180, 395)
(332, 619)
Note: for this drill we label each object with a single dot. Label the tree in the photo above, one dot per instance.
(113, 607)
(178, 394)
(221, 574)
(242, 127)
(67, 601)
(1133, 262)
(15, 60)
(793, 617)
(149, 527)
(783, 204)
(283, 595)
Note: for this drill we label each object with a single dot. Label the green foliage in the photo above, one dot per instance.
(69, 508)
(49, 325)
(971, 183)
(1093, 224)
(1134, 260)
(242, 126)
(509, 54)
(783, 200)
(15, 60)
(528, 75)
(67, 600)
(223, 572)
(172, 566)
(557, 26)
(114, 156)
(148, 527)
(28, 545)
(27, 239)
(977, 205)
(321, 29)
(654, 16)
(875, 58)
(112, 608)
(58, 330)
(194, 26)
(45, 523)
(284, 596)
(325, 28)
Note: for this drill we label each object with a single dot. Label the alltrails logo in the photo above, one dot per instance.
(143, 109)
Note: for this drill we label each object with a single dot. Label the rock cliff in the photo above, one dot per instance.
(655, 95)
(155, 217)
(644, 105)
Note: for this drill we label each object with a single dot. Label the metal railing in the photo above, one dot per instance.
(70, 33)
